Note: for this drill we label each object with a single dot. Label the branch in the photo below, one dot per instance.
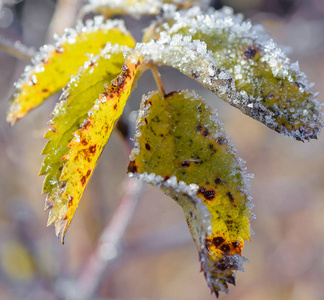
(108, 247)
(16, 49)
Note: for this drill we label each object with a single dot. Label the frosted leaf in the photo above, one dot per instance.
(53, 65)
(180, 147)
(90, 138)
(251, 72)
(68, 116)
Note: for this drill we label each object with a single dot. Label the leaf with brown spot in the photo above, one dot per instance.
(241, 65)
(88, 142)
(170, 126)
(51, 69)
(76, 101)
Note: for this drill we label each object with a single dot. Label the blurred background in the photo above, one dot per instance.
(156, 257)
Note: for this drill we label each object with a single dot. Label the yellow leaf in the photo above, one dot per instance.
(89, 141)
(53, 65)
(77, 99)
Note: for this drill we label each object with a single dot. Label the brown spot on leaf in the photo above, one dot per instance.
(88, 173)
(147, 146)
(185, 164)
(59, 50)
(195, 74)
(86, 124)
(199, 128)
(208, 194)
(250, 52)
(217, 241)
(230, 196)
(70, 203)
(83, 180)
(222, 266)
(92, 149)
(44, 90)
(221, 140)
(218, 181)
(205, 133)
(166, 178)
(148, 102)
(132, 168)
(63, 184)
(115, 106)
(225, 248)
(84, 142)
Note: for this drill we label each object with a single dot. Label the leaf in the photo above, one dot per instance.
(76, 100)
(241, 65)
(89, 141)
(180, 147)
(137, 8)
(53, 65)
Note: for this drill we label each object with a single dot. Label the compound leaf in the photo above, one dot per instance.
(53, 65)
(181, 148)
(241, 65)
(76, 100)
(89, 141)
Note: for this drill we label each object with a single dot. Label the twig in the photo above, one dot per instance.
(64, 16)
(16, 49)
(157, 78)
(108, 246)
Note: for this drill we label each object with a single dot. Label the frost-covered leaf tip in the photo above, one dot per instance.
(180, 147)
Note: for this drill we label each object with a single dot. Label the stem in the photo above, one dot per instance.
(157, 78)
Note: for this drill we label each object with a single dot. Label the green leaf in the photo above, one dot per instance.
(88, 143)
(180, 147)
(76, 100)
(241, 65)
(53, 65)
